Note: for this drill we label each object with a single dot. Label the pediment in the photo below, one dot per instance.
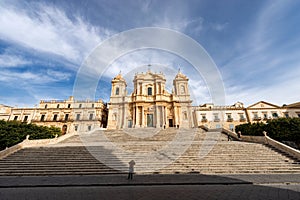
(263, 105)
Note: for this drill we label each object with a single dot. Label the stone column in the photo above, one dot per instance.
(175, 116)
(133, 116)
(157, 116)
(164, 116)
(137, 117)
(125, 121)
(143, 117)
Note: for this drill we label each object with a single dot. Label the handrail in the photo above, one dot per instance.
(33, 143)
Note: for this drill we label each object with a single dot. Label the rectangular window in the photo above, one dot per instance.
(15, 118)
(78, 117)
(231, 127)
(57, 106)
(76, 127)
(66, 117)
(149, 91)
(25, 118)
(216, 118)
(265, 115)
(69, 105)
(91, 116)
(286, 115)
(43, 118)
(55, 117)
(93, 105)
(89, 127)
(275, 115)
(80, 105)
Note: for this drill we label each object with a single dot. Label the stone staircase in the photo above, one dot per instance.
(162, 151)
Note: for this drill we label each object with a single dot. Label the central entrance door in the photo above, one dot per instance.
(170, 122)
(149, 120)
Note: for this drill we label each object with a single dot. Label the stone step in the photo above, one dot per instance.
(71, 157)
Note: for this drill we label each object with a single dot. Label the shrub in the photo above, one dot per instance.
(13, 132)
(281, 129)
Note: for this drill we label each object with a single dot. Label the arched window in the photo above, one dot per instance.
(184, 115)
(117, 91)
(182, 89)
(149, 90)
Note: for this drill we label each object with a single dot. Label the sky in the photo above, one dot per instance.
(255, 46)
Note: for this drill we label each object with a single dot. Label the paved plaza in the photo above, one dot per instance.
(256, 186)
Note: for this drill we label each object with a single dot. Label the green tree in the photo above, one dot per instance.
(13, 132)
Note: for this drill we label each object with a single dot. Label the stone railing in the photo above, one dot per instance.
(283, 147)
(259, 139)
(33, 143)
(265, 140)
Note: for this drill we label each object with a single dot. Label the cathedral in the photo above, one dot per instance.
(150, 104)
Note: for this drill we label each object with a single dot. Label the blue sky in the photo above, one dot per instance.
(255, 45)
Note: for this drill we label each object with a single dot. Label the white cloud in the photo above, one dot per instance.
(7, 60)
(32, 78)
(219, 26)
(180, 24)
(266, 61)
(50, 30)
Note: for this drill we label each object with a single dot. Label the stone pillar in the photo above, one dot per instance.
(175, 116)
(143, 117)
(137, 117)
(125, 121)
(133, 116)
(164, 116)
(157, 116)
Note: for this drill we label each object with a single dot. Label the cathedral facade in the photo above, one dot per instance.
(150, 104)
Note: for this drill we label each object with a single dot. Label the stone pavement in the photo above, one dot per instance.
(157, 186)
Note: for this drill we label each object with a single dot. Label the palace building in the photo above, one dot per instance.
(70, 115)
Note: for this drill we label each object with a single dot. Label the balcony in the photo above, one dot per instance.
(204, 120)
(217, 120)
(256, 118)
(46, 120)
(242, 119)
(229, 119)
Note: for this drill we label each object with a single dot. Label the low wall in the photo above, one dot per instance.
(10, 150)
(33, 143)
(262, 140)
(283, 147)
(265, 140)
(255, 139)
(231, 133)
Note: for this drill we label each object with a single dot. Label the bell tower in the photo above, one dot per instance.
(182, 108)
(181, 87)
(117, 103)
